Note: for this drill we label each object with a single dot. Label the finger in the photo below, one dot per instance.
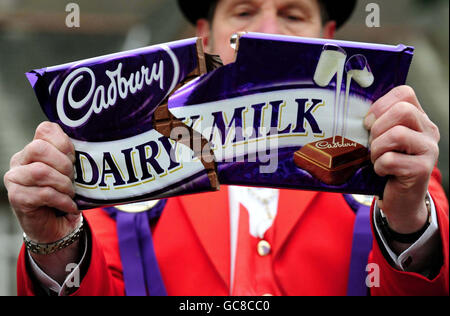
(42, 151)
(53, 134)
(382, 105)
(16, 159)
(400, 139)
(401, 166)
(404, 114)
(25, 199)
(38, 174)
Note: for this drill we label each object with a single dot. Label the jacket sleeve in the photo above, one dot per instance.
(102, 275)
(393, 282)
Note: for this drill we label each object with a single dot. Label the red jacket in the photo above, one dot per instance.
(312, 240)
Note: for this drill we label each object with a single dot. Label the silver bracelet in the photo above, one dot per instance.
(47, 249)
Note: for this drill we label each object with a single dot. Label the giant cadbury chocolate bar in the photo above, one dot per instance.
(169, 119)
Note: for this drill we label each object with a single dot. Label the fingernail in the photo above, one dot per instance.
(73, 217)
(71, 175)
(72, 193)
(71, 157)
(369, 121)
(75, 207)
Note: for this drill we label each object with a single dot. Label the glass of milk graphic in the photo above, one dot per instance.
(358, 70)
(331, 64)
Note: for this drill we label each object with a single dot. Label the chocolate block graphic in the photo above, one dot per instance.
(332, 163)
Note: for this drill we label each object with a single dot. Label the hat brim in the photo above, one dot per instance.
(339, 11)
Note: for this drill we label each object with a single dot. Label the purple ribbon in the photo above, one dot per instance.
(141, 272)
(361, 247)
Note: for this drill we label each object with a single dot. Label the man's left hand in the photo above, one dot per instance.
(404, 146)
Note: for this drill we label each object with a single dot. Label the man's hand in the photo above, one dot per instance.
(39, 182)
(404, 146)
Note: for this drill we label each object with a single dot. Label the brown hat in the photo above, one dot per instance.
(338, 10)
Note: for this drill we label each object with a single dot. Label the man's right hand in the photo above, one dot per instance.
(40, 181)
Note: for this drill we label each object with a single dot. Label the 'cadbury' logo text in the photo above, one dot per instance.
(100, 98)
(327, 145)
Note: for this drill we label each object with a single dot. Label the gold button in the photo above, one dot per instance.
(264, 248)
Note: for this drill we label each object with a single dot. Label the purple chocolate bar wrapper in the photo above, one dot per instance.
(105, 105)
(279, 90)
(281, 94)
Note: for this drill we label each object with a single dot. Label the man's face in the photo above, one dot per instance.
(287, 17)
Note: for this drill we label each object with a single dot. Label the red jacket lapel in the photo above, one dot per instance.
(209, 216)
(292, 204)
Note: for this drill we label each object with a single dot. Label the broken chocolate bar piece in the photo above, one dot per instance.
(213, 62)
(165, 123)
(333, 163)
(170, 127)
